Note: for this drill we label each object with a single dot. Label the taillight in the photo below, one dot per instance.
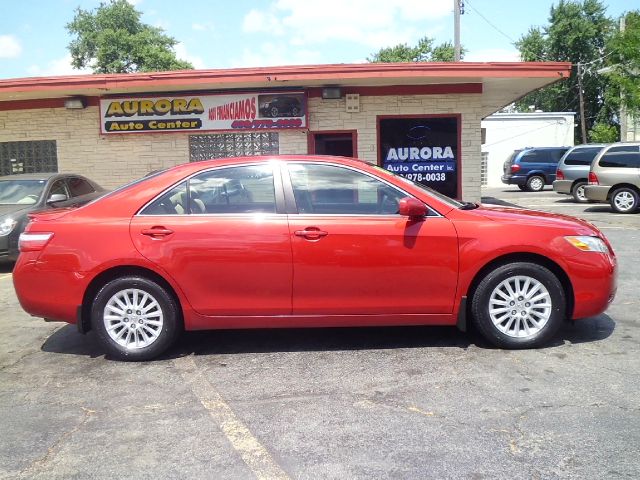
(593, 179)
(34, 241)
(559, 175)
(515, 168)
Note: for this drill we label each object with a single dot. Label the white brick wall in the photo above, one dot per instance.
(112, 160)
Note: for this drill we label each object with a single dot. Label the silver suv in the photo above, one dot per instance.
(573, 170)
(615, 177)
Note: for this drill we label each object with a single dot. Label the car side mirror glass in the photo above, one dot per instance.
(57, 197)
(412, 208)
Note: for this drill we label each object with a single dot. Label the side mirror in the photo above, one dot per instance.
(412, 208)
(57, 197)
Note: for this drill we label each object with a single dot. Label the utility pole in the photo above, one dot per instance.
(624, 117)
(456, 29)
(583, 124)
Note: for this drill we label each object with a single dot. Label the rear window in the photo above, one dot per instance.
(582, 156)
(624, 156)
(543, 156)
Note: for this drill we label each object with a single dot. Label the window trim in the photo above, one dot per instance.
(277, 186)
(292, 207)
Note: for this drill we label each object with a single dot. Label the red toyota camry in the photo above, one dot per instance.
(299, 241)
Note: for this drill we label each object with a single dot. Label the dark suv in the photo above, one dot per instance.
(532, 168)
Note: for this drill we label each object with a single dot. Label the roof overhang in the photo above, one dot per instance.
(499, 83)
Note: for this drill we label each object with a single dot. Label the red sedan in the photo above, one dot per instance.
(305, 242)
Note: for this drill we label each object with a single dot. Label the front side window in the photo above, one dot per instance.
(247, 189)
(329, 189)
(625, 156)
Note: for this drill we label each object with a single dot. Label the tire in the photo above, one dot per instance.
(522, 187)
(274, 112)
(126, 334)
(505, 329)
(578, 192)
(624, 200)
(535, 183)
(295, 112)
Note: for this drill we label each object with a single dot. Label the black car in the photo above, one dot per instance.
(24, 193)
(282, 106)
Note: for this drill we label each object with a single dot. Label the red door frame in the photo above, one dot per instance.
(311, 139)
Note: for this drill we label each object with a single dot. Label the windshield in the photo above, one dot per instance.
(443, 198)
(20, 192)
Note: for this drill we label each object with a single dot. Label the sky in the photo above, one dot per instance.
(243, 33)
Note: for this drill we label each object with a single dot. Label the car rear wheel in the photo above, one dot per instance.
(578, 192)
(519, 305)
(535, 183)
(625, 200)
(135, 318)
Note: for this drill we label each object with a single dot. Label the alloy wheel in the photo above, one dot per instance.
(624, 200)
(520, 306)
(133, 318)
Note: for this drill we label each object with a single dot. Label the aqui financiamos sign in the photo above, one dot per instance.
(207, 112)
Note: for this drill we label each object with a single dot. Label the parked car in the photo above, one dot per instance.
(615, 177)
(23, 193)
(146, 261)
(572, 174)
(532, 168)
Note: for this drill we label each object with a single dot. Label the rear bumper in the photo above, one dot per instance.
(53, 295)
(514, 180)
(597, 193)
(563, 186)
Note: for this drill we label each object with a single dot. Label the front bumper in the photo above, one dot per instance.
(597, 193)
(563, 186)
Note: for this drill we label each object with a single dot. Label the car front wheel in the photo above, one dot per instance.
(135, 318)
(535, 183)
(519, 305)
(624, 200)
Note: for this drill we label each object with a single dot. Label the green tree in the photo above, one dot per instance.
(577, 32)
(423, 51)
(112, 39)
(624, 65)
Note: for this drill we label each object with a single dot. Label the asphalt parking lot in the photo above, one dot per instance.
(332, 403)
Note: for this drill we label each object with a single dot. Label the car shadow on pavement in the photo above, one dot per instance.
(67, 340)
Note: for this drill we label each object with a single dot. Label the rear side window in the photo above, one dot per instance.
(624, 156)
(534, 156)
(581, 156)
(543, 156)
(79, 186)
(246, 189)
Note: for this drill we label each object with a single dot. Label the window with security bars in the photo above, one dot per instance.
(28, 157)
(222, 145)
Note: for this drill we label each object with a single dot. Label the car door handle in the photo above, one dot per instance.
(156, 232)
(311, 233)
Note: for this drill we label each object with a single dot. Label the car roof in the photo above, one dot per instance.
(30, 176)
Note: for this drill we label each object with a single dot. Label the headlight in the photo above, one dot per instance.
(588, 244)
(7, 226)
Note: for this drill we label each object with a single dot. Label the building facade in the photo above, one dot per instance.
(421, 119)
